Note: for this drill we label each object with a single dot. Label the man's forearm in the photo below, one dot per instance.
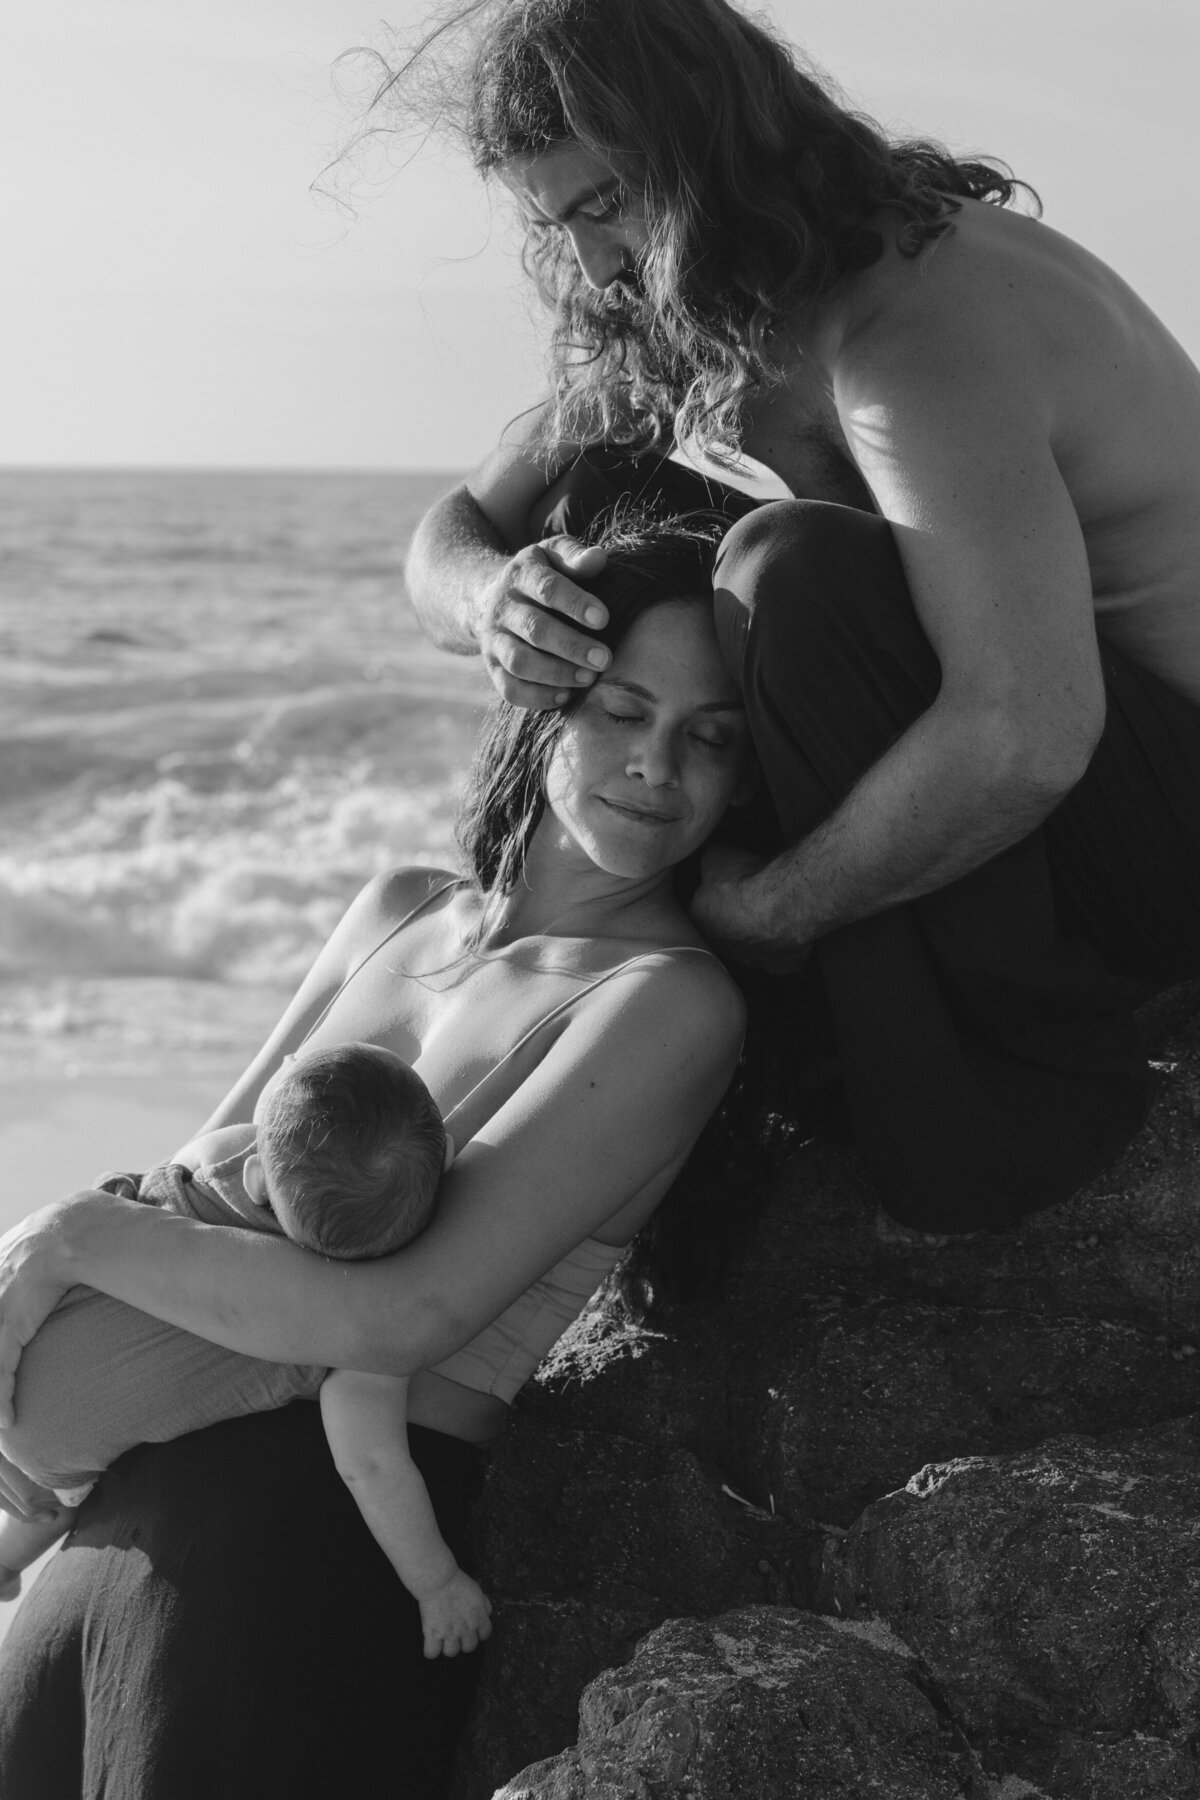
(950, 795)
(455, 552)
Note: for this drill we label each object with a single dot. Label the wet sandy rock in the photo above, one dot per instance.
(763, 1701)
(1055, 1600)
(652, 1475)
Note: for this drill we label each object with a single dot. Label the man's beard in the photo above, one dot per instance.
(620, 333)
(619, 310)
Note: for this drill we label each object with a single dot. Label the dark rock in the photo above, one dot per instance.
(822, 1405)
(659, 1524)
(542, 1654)
(847, 1354)
(1124, 1248)
(764, 1701)
(851, 1416)
(662, 1387)
(1137, 1768)
(587, 1542)
(1055, 1599)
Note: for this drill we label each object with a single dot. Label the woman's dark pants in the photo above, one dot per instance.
(222, 1626)
(990, 1063)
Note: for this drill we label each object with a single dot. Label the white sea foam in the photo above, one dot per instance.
(218, 721)
(237, 885)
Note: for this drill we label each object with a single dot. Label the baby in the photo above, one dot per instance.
(344, 1157)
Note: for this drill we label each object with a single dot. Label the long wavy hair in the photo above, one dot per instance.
(760, 189)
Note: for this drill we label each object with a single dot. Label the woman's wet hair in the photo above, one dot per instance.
(760, 188)
(652, 559)
(686, 1250)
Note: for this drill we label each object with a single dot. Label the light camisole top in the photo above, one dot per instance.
(505, 1353)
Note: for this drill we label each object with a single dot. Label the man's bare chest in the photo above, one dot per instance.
(794, 431)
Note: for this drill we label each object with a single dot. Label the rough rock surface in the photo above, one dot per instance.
(589, 1540)
(1055, 1600)
(765, 1701)
(847, 1356)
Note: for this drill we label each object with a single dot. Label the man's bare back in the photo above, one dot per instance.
(1037, 320)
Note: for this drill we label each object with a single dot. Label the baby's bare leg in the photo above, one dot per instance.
(101, 1376)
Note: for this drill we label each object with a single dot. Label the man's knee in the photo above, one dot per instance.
(802, 552)
(804, 574)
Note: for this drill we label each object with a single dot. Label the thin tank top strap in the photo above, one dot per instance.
(564, 1006)
(431, 896)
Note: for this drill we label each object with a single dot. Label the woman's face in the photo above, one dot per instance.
(656, 750)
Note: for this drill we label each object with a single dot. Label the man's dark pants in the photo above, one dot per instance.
(991, 1063)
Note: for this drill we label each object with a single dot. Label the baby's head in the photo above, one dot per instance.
(350, 1148)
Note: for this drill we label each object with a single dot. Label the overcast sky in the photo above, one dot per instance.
(172, 294)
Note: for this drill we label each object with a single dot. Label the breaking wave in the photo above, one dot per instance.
(241, 885)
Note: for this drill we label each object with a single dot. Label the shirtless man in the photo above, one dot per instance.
(976, 842)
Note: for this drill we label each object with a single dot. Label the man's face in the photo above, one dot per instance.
(568, 189)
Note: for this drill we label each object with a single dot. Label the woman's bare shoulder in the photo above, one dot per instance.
(685, 985)
(388, 898)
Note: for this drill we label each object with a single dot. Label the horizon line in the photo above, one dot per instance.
(219, 468)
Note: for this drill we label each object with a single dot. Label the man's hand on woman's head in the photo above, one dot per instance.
(33, 1280)
(533, 622)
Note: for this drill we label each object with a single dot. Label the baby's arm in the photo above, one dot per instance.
(365, 1423)
(22, 1541)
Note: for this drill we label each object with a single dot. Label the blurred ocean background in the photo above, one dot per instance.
(219, 718)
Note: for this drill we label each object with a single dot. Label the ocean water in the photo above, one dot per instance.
(219, 719)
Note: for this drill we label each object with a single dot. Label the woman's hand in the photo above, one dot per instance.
(33, 1279)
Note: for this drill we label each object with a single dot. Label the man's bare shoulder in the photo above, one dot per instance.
(972, 285)
(1003, 349)
(1000, 287)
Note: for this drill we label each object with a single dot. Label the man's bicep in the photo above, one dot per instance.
(510, 481)
(987, 532)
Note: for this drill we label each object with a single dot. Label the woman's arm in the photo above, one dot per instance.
(598, 1131)
(37, 1262)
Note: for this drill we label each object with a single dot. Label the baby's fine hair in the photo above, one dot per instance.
(352, 1147)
